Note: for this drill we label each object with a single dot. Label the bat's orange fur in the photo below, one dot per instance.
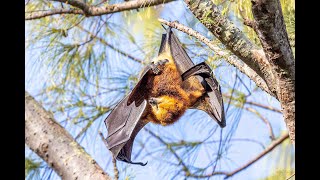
(173, 96)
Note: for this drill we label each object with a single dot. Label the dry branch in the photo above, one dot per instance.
(249, 163)
(264, 120)
(114, 162)
(88, 10)
(264, 106)
(56, 146)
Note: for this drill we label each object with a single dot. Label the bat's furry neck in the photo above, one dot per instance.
(166, 54)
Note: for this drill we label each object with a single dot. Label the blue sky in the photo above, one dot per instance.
(193, 126)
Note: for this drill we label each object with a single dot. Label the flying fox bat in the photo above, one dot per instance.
(167, 87)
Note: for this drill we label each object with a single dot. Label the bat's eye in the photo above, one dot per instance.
(152, 101)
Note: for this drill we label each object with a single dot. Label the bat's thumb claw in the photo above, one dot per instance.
(143, 164)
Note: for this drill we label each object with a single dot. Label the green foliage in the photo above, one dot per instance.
(282, 160)
(242, 9)
(88, 60)
(281, 174)
(31, 167)
(144, 23)
(288, 10)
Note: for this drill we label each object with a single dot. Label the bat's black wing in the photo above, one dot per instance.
(124, 122)
(213, 95)
(211, 102)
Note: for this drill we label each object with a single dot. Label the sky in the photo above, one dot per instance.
(193, 126)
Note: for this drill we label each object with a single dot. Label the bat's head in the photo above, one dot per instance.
(166, 54)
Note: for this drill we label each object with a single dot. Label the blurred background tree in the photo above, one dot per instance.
(80, 66)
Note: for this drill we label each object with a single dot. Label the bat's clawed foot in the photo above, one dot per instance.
(158, 66)
(124, 158)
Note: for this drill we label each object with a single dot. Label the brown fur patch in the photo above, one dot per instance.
(173, 96)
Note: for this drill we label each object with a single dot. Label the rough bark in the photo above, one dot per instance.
(56, 146)
(274, 63)
(89, 10)
(233, 38)
(271, 30)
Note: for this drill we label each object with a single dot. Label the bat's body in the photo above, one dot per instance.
(169, 97)
(166, 89)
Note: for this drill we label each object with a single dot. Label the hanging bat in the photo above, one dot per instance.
(169, 86)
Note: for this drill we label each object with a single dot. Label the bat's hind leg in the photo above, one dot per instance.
(122, 157)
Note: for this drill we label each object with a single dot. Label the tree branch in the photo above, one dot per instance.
(274, 63)
(233, 60)
(264, 120)
(180, 160)
(56, 146)
(38, 15)
(233, 38)
(273, 36)
(272, 33)
(89, 10)
(262, 154)
(114, 162)
(255, 104)
(264, 106)
(249, 163)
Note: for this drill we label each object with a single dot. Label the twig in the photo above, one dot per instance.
(185, 168)
(88, 125)
(114, 162)
(239, 139)
(257, 104)
(264, 120)
(115, 169)
(38, 15)
(264, 106)
(103, 139)
(262, 154)
(291, 176)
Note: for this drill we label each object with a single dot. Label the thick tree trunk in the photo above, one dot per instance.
(271, 30)
(233, 38)
(56, 146)
(274, 63)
